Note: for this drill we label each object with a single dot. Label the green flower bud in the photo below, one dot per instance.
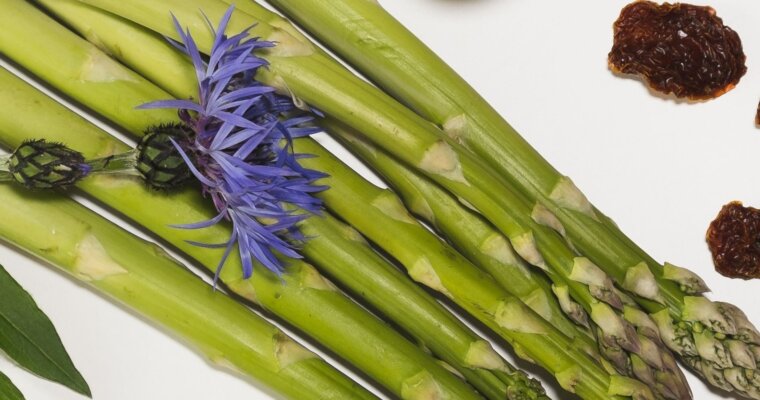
(158, 160)
(38, 164)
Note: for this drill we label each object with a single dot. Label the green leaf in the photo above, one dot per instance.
(9, 391)
(29, 338)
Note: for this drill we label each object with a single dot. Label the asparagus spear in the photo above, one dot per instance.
(302, 297)
(142, 276)
(412, 72)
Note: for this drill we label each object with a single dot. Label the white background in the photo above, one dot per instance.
(661, 169)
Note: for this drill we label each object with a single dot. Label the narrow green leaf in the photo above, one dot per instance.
(29, 338)
(9, 391)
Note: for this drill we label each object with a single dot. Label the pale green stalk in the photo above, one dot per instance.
(301, 296)
(334, 249)
(404, 66)
(143, 277)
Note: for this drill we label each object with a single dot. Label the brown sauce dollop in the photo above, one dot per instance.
(677, 48)
(734, 240)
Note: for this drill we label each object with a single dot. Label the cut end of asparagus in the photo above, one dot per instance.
(99, 68)
(93, 263)
(440, 159)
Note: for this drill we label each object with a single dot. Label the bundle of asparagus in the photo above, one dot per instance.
(714, 338)
(545, 354)
(600, 348)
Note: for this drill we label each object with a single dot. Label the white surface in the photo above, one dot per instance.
(662, 170)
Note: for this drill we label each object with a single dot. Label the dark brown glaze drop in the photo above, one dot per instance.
(734, 240)
(757, 116)
(678, 48)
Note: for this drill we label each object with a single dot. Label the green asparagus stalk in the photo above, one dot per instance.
(413, 73)
(301, 296)
(143, 277)
(465, 229)
(350, 261)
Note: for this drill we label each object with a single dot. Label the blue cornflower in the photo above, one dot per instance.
(241, 150)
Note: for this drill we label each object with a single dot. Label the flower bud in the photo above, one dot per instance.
(39, 164)
(158, 160)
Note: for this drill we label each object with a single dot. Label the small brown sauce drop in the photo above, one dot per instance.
(734, 240)
(677, 48)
